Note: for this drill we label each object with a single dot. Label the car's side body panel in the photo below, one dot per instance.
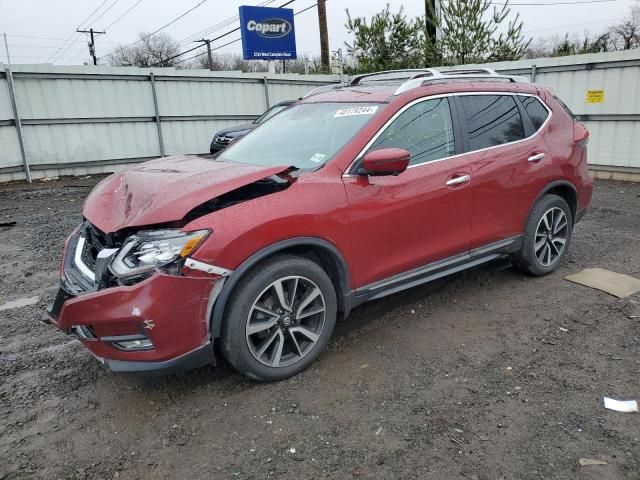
(401, 222)
(315, 205)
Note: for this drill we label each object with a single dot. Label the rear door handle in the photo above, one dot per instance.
(458, 180)
(535, 158)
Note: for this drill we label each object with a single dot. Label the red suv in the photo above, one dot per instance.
(353, 193)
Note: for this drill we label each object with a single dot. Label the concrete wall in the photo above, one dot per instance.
(80, 120)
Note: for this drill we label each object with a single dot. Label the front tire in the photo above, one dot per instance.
(547, 236)
(279, 319)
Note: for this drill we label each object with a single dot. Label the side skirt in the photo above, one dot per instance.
(435, 270)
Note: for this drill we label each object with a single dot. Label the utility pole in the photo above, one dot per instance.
(92, 43)
(430, 18)
(209, 56)
(324, 34)
(6, 47)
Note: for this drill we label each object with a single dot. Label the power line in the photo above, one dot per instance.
(105, 11)
(161, 28)
(572, 25)
(92, 13)
(551, 3)
(43, 38)
(218, 26)
(121, 16)
(18, 45)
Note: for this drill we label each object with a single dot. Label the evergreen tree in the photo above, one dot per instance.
(469, 33)
(389, 41)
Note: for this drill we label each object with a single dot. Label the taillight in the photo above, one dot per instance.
(580, 134)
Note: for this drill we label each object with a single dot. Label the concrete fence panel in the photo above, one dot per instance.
(79, 120)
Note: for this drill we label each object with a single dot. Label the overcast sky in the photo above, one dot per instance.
(37, 29)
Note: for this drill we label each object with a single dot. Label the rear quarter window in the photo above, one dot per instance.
(536, 111)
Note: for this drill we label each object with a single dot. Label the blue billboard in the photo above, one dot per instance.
(267, 33)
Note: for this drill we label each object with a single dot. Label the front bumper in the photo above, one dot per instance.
(168, 313)
(197, 358)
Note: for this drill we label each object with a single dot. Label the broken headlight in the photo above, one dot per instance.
(152, 249)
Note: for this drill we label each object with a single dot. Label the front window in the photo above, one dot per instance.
(424, 129)
(304, 136)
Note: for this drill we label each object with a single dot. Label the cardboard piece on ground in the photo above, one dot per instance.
(616, 284)
(20, 302)
(625, 406)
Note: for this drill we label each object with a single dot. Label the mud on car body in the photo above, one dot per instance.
(353, 193)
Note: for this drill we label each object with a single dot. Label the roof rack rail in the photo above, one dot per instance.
(322, 89)
(399, 75)
(419, 79)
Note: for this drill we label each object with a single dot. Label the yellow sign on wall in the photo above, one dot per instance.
(595, 96)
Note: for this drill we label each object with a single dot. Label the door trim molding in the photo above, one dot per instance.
(438, 269)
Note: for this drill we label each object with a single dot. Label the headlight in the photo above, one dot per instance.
(146, 251)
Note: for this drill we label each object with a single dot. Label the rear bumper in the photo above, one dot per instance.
(169, 311)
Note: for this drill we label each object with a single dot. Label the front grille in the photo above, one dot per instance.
(87, 256)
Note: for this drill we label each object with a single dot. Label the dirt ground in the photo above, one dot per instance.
(486, 375)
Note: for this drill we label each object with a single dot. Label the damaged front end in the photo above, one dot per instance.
(136, 298)
(133, 300)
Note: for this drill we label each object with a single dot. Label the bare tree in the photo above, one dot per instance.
(622, 36)
(226, 62)
(155, 50)
(627, 33)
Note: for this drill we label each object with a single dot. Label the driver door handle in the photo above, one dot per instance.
(458, 180)
(536, 157)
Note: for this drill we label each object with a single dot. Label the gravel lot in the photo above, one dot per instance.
(485, 375)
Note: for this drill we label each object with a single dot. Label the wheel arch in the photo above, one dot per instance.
(321, 251)
(563, 189)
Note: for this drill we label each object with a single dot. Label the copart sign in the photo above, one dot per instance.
(267, 33)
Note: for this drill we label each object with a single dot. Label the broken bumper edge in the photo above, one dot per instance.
(196, 358)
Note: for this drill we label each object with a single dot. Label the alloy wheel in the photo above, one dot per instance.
(551, 236)
(285, 321)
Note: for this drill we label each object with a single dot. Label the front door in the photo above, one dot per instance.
(420, 216)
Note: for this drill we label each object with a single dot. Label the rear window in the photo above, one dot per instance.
(491, 120)
(536, 111)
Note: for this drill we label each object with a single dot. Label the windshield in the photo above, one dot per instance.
(270, 113)
(304, 136)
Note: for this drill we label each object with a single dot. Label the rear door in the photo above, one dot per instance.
(403, 222)
(509, 163)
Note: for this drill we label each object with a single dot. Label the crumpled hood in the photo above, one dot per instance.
(165, 190)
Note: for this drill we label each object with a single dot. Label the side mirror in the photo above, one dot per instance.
(386, 161)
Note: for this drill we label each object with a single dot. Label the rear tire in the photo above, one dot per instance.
(546, 238)
(279, 318)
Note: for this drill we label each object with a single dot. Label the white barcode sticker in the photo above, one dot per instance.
(317, 158)
(349, 112)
